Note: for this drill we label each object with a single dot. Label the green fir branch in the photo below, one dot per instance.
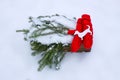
(52, 54)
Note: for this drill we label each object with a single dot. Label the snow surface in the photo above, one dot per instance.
(55, 38)
(102, 63)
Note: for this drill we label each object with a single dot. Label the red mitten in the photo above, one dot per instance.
(76, 43)
(88, 38)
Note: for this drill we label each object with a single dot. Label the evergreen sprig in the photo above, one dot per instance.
(52, 54)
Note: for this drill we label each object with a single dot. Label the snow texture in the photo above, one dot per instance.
(102, 63)
(55, 38)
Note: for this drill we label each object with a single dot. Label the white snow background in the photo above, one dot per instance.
(102, 63)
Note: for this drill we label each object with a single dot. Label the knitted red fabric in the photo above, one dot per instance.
(88, 38)
(82, 24)
(75, 46)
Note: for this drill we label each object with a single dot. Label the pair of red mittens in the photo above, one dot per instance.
(84, 34)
